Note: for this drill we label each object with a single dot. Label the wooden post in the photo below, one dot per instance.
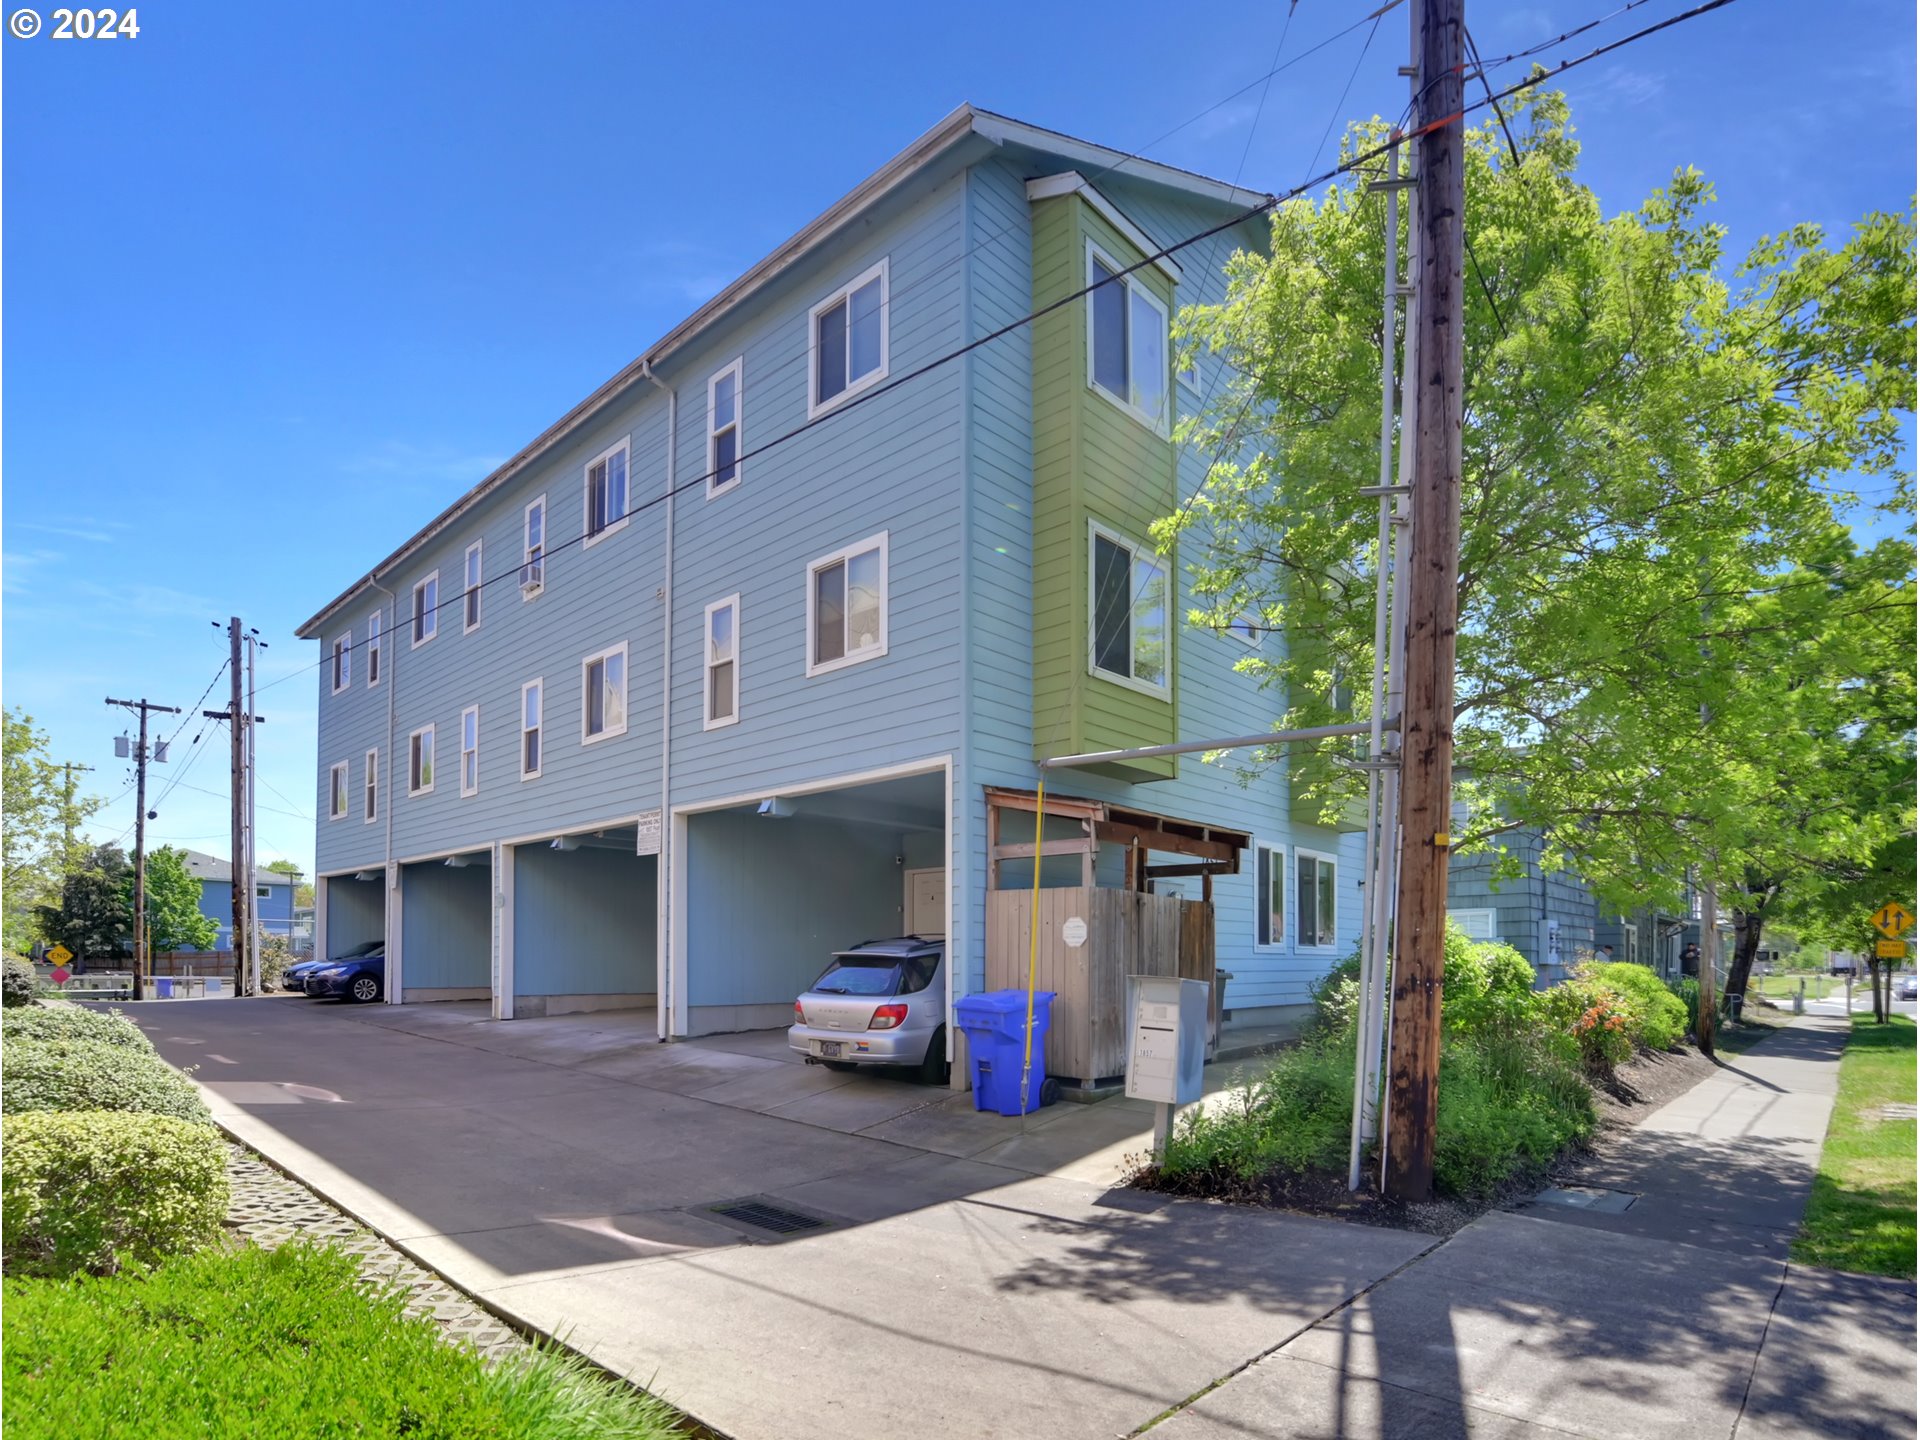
(1426, 773)
(140, 861)
(236, 779)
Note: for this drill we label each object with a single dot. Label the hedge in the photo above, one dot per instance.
(97, 1190)
(17, 986)
(90, 1075)
(70, 1022)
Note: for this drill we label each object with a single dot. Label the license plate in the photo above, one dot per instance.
(830, 1049)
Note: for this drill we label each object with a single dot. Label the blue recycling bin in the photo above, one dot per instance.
(996, 1028)
(163, 987)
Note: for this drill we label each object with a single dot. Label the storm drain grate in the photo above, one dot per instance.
(774, 1218)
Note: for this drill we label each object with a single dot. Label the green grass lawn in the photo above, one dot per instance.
(1782, 987)
(1861, 1216)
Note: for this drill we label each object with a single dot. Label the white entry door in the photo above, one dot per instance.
(927, 903)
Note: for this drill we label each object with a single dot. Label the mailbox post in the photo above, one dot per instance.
(1168, 1048)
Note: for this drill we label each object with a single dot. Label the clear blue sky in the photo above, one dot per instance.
(282, 281)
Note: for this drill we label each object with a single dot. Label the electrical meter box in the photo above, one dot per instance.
(1169, 1042)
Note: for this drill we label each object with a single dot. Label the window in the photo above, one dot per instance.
(1129, 609)
(606, 492)
(263, 892)
(1314, 897)
(374, 636)
(420, 761)
(723, 663)
(848, 340)
(1630, 944)
(603, 701)
(1249, 629)
(533, 554)
(337, 792)
(473, 589)
(847, 606)
(1270, 895)
(470, 750)
(371, 806)
(530, 730)
(426, 609)
(1475, 924)
(723, 431)
(1126, 341)
(342, 662)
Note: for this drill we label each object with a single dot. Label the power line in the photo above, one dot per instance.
(1254, 211)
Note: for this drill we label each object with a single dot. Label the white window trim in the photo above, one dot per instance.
(1493, 921)
(846, 553)
(1257, 640)
(376, 640)
(1107, 532)
(474, 588)
(732, 602)
(537, 683)
(337, 778)
(1301, 852)
(434, 771)
(1163, 425)
(432, 616)
(474, 789)
(586, 665)
(372, 783)
(1260, 900)
(737, 371)
(539, 502)
(865, 382)
(341, 658)
(623, 446)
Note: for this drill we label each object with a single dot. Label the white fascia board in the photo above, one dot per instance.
(1072, 182)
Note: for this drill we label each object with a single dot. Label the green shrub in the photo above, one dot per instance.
(1297, 1116)
(1656, 1017)
(283, 1343)
(90, 1075)
(18, 985)
(1596, 1018)
(96, 1190)
(1336, 997)
(1488, 987)
(70, 1022)
(1509, 1103)
(275, 957)
(1687, 990)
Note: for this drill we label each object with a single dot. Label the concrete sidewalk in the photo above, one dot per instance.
(1653, 1300)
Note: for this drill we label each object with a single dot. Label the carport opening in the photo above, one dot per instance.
(584, 911)
(356, 910)
(446, 928)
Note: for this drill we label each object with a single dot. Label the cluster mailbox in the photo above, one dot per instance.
(1169, 1044)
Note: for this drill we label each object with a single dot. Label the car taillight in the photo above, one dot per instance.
(885, 1017)
(799, 1015)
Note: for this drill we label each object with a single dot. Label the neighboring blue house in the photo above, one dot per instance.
(273, 897)
(662, 711)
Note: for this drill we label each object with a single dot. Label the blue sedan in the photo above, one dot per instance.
(361, 976)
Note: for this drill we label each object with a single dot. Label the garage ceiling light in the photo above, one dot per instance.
(775, 808)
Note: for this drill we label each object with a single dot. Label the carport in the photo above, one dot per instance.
(578, 923)
(768, 886)
(350, 909)
(446, 929)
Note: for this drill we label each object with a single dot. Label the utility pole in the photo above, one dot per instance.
(254, 643)
(1426, 727)
(237, 782)
(140, 958)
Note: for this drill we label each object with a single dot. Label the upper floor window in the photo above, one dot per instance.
(470, 750)
(603, 682)
(722, 704)
(1249, 628)
(370, 809)
(533, 553)
(848, 339)
(1126, 340)
(1314, 896)
(530, 707)
(723, 431)
(472, 608)
(1475, 924)
(374, 636)
(606, 492)
(1270, 895)
(426, 609)
(342, 662)
(1128, 606)
(337, 791)
(420, 761)
(847, 606)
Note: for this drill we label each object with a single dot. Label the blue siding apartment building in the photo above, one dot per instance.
(661, 712)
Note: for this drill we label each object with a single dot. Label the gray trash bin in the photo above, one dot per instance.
(1220, 979)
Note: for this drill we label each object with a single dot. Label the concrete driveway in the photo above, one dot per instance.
(969, 1275)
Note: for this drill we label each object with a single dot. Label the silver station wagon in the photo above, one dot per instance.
(884, 1002)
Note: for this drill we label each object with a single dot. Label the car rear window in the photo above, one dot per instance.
(876, 975)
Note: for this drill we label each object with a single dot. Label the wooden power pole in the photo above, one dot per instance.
(1426, 725)
(140, 956)
(242, 884)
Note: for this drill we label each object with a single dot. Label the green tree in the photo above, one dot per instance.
(1658, 446)
(93, 916)
(41, 814)
(174, 919)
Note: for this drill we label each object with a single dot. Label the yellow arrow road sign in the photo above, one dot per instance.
(1892, 919)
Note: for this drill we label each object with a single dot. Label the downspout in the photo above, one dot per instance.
(389, 656)
(663, 863)
(960, 787)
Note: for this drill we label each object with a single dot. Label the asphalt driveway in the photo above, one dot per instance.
(969, 1274)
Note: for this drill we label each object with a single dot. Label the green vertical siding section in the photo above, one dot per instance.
(1092, 461)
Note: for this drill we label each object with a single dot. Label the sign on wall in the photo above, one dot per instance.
(648, 828)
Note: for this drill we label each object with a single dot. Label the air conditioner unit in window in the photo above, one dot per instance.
(532, 575)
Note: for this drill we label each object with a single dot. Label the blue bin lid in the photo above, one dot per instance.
(1001, 1002)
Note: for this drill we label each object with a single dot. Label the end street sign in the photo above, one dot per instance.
(1893, 920)
(59, 954)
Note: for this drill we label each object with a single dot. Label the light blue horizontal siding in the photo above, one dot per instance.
(356, 914)
(446, 920)
(583, 922)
